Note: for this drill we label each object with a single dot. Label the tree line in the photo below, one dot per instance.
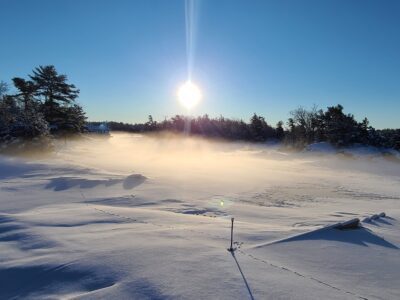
(305, 126)
(44, 103)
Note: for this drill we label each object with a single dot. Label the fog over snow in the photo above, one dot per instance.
(148, 217)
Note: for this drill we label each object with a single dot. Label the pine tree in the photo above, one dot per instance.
(340, 129)
(58, 99)
(256, 127)
(27, 90)
(73, 119)
(364, 131)
(280, 133)
(53, 87)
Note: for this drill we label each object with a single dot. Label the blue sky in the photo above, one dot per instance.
(129, 57)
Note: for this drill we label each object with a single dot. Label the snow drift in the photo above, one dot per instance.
(143, 217)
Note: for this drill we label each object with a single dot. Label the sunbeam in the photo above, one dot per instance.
(191, 20)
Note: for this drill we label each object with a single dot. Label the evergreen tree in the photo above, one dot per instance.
(364, 131)
(71, 119)
(280, 133)
(58, 99)
(53, 87)
(256, 128)
(340, 129)
(27, 90)
(151, 124)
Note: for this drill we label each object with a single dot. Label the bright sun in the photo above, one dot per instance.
(189, 94)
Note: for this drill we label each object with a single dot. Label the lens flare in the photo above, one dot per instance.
(189, 95)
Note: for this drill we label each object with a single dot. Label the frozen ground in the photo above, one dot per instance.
(134, 217)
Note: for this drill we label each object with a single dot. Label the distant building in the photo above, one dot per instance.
(101, 128)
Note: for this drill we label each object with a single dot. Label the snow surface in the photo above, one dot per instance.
(136, 217)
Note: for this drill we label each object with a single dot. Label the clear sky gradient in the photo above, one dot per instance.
(129, 57)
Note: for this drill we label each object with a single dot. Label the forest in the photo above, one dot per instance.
(304, 127)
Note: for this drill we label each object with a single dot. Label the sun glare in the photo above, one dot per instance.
(189, 95)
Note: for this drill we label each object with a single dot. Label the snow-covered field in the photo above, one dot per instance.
(134, 217)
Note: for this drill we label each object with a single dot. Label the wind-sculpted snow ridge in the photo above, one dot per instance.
(65, 183)
(137, 217)
(353, 251)
(360, 236)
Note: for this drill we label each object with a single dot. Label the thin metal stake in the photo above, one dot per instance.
(231, 248)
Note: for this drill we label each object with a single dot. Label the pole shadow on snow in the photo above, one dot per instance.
(241, 273)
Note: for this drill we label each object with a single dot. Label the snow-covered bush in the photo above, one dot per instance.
(22, 128)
